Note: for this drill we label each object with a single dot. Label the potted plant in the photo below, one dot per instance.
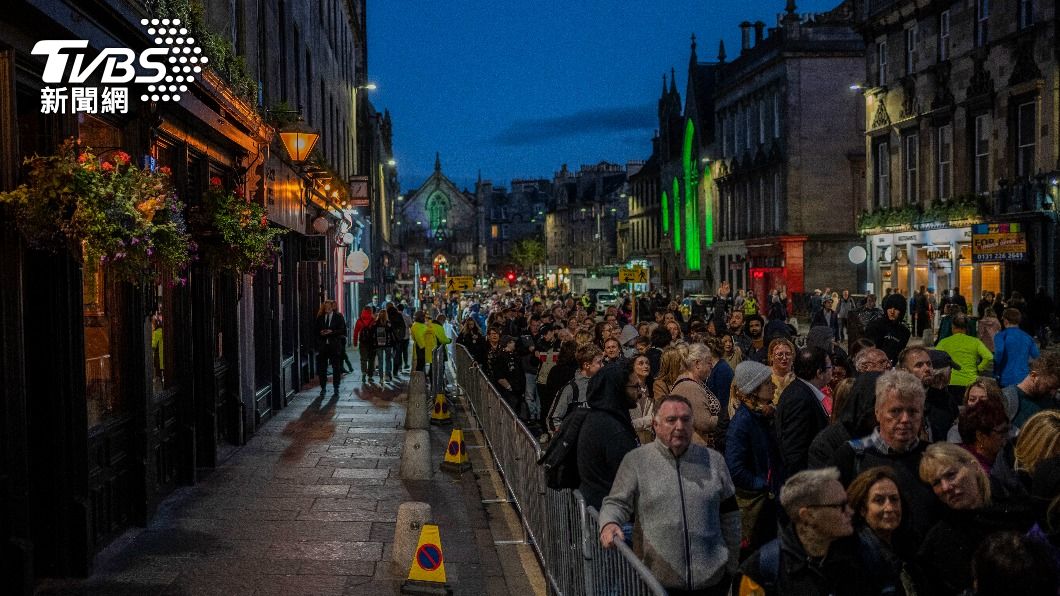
(104, 210)
(235, 232)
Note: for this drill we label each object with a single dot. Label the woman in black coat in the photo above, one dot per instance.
(471, 338)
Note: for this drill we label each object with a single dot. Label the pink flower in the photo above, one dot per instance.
(107, 166)
(121, 157)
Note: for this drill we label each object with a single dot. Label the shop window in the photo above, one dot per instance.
(161, 323)
(101, 312)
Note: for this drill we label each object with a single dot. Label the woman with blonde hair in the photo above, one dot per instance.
(969, 516)
(780, 357)
(1039, 440)
(671, 364)
(691, 385)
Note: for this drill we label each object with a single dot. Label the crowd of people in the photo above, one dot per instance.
(734, 453)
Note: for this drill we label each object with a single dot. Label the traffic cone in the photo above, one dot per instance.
(440, 412)
(427, 573)
(456, 459)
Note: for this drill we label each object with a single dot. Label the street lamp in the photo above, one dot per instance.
(299, 140)
(368, 87)
(391, 162)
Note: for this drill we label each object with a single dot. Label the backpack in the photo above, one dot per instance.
(399, 330)
(380, 336)
(560, 460)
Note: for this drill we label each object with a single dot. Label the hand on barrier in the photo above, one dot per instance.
(609, 533)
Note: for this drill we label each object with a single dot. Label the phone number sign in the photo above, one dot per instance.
(998, 242)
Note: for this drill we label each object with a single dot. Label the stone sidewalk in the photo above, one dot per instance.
(308, 506)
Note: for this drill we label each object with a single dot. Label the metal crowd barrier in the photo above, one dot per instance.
(559, 527)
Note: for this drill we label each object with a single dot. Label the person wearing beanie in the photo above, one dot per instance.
(889, 332)
(753, 455)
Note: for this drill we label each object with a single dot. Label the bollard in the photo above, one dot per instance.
(416, 456)
(416, 413)
(411, 517)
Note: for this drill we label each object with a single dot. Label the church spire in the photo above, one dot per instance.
(721, 50)
(673, 81)
(790, 8)
(437, 162)
(694, 58)
(663, 94)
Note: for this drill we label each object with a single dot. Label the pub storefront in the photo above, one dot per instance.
(940, 259)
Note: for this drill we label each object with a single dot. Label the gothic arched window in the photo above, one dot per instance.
(438, 215)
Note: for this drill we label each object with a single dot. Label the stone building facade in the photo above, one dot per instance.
(788, 161)
(961, 120)
(581, 222)
(511, 216)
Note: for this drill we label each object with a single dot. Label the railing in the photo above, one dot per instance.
(562, 531)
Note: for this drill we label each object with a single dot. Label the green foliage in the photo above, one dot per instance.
(961, 209)
(282, 114)
(223, 58)
(109, 211)
(235, 233)
(527, 253)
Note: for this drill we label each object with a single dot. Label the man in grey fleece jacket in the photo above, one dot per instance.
(688, 524)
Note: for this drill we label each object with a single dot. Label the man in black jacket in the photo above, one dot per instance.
(889, 332)
(607, 434)
(803, 409)
(895, 442)
(330, 343)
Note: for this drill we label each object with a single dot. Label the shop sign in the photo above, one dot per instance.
(935, 254)
(883, 239)
(907, 238)
(359, 191)
(998, 242)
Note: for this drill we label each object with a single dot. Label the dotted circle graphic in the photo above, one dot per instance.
(183, 58)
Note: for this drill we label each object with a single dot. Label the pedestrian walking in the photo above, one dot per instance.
(330, 329)
(364, 339)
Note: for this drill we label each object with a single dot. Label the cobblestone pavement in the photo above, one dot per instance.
(308, 506)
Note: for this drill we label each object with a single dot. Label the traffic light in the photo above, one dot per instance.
(423, 279)
(511, 277)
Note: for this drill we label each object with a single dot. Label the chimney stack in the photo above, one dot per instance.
(759, 26)
(745, 36)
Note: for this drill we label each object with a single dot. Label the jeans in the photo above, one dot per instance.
(367, 359)
(386, 357)
(533, 407)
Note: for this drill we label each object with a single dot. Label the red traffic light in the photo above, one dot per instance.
(423, 279)
(511, 276)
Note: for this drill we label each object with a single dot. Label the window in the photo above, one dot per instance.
(736, 125)
(748, 135)
(1025, 119)
(778, 210)
(910, 160)
(761, 121)
(882, 159)
(881, 63)
(504, 231)
(945, 162)
(982, 154)
(495, 231)
(944, 36)
(982, 22)
(1026, 13)
(910, 49)
(776, 115)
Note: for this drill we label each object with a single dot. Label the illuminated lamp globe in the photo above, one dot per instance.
(299, 140)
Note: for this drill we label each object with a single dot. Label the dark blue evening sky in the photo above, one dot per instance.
(515, 88)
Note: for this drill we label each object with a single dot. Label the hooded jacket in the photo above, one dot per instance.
(364, 323)
(607, 434)
(890, 336)
(856, 419)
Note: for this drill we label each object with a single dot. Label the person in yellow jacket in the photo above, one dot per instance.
(427, 336)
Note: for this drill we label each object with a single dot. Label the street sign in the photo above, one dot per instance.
(635, 275)
(359, 191)
(459, 283)
(357, 261)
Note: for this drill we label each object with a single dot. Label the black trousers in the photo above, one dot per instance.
(335, 359)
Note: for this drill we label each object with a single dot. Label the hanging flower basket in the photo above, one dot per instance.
(235, 233)
(110, 211)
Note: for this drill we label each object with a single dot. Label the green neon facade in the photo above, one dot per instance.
(677, 216)
(690, 168)
(665, 212)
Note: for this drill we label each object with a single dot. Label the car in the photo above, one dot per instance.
(606, 299)
(701, 305)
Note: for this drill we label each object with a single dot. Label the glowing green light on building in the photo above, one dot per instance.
(690, 168)
(666, 213)
(676, 216)
(708, 194)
